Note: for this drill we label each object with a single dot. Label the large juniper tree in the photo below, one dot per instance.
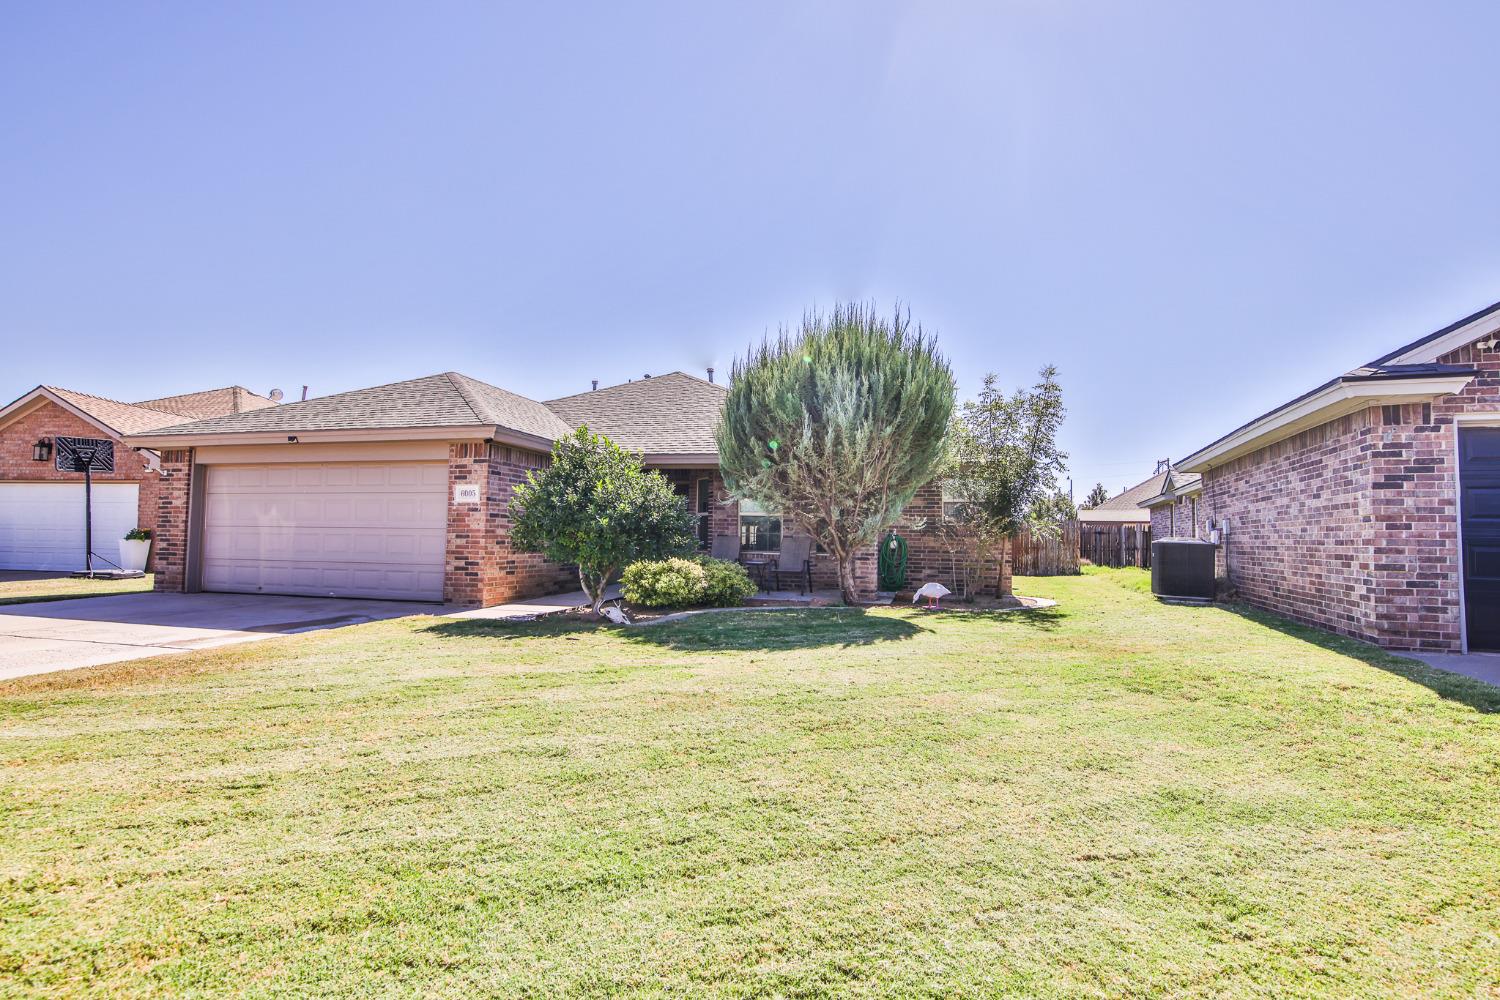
(836, 425)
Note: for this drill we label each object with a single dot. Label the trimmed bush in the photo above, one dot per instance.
(664, 583)
(727, 584)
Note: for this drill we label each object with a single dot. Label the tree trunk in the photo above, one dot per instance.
(846, 579)
(594, 588)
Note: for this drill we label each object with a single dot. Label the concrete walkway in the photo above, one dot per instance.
(536, 607)
(62, 635)
(1480, 666)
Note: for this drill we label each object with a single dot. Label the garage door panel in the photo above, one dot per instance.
(41, 524)
(1479, 474)
(339, 528)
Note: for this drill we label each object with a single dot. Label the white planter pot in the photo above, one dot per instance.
(133, 555)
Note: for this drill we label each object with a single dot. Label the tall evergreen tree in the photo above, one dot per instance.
(836, 425)
(1097, 496)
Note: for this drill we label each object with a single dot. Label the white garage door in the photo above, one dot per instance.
(342, 529)
(41, 524)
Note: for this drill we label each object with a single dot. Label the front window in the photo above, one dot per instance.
(760, 531)
(954, 503)
(705, 506)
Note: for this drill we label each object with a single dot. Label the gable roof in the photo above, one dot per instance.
(1408, 374)
(210, 402)
(445, 400)
(662, 416)
(1438, 343)
(1174, 484)
(1125, 507)
(110, 415)
(123, 418)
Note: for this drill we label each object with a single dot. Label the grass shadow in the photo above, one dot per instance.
(770, 631)
(1039, 619)
(1476, 694)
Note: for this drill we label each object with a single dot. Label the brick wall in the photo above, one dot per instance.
(51, 421)
(1186, 517)
(481, 565)
(930, 556)
(170, 522)
(1353, 525)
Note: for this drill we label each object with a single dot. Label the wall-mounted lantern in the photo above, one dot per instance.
(41, 451)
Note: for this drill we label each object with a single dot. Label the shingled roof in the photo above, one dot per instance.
(123, 418)
(673, 414)
(210, 402)
(1125, 507)
(448, 399)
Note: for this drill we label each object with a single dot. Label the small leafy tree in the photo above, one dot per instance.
(1097, 496)
(1056, 509)
(596, 506)
(1004, 461)
(837, 425)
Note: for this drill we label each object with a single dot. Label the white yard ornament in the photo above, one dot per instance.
(934, 592)
(614, 614)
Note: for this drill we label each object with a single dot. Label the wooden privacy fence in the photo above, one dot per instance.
(1061, 553)
(1054, 554)
(1115, 544)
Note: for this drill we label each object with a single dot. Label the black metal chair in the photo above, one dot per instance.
(726, 547)
(795, 559)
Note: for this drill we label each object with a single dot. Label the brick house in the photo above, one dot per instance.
(1370, 505)
(403, 490)
(42, 504)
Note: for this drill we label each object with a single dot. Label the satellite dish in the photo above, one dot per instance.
(276, 395)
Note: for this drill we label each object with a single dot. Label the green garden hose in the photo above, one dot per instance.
(892, 562)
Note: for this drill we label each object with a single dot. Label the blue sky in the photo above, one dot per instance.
(1195, 210)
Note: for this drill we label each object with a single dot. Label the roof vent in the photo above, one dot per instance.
(710, 373)
(595, 386)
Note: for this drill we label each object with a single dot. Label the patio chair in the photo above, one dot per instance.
(795, 559)
(726, 547)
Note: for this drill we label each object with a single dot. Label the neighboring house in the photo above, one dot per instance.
(403, 490)
(1125, 507)
(1370, 506)
(42, 506)
(1118, 531)
(1174, 507)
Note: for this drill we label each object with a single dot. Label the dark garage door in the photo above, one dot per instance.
(1479, 472)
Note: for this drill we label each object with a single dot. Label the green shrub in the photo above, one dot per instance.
(664, 583)
(727, 583)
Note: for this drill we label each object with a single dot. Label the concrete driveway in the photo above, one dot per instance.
(62, 635)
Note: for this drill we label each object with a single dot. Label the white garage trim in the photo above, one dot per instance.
(333, 529)
(41, 524)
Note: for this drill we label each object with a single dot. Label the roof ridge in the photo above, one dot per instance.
(468, 397)
(107, 399)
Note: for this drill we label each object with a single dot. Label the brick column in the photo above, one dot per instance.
(464, 569)
(171, 523)
(481, 567)
(1415, 571)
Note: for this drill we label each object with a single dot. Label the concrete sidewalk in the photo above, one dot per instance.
(1480, 666)
(536, 607)
(62, 635)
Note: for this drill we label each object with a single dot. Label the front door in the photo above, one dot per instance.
(1479, 491)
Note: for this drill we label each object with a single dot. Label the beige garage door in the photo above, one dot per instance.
(341, 529)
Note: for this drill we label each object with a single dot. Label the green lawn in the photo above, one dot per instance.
(1110, 798)
(62, 588)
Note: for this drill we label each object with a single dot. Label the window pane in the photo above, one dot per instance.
(760, 533)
